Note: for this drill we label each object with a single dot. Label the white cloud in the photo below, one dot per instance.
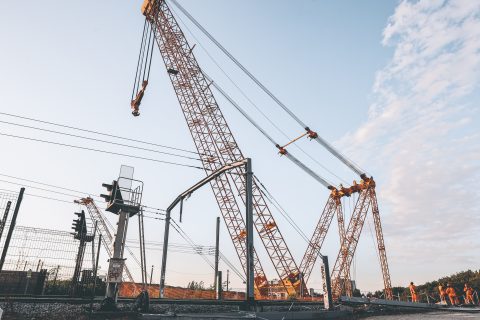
(422, 137)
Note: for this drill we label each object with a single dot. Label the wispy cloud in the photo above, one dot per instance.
(422, 137)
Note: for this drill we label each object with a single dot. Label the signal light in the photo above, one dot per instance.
(79, 225)
(114, 196)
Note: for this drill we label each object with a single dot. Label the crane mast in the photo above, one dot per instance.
(341, 270)
(316, 242)
(216, 147)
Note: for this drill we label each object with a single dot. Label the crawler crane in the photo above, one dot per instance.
(216, 147)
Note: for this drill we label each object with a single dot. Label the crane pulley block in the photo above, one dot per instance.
(135, 104)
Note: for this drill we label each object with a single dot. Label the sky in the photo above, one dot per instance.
(394, 85)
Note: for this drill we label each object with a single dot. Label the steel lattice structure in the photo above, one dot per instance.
(319, 234)
(341, 270)
(216, 147)
(381, 245)
(102, 224)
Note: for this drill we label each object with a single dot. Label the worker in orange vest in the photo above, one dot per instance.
(413, 292)
(468, 294)
(452, 295)
(442, 293)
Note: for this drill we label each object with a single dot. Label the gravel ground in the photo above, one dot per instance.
(64, 311)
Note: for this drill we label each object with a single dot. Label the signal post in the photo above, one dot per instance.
(123, 199)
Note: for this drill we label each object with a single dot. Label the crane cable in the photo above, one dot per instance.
(284, 152)
(282, 211)
(316, 137)
(184, 25)
(144, 64)
(142, 73)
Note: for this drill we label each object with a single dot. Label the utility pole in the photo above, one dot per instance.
(249, 218)
(10, 229)
(164, 253)
(217, 238)
(327, 288)
(151, 275)
(228, 275)
(220, 287)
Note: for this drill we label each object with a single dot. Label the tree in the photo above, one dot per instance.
(196, 285)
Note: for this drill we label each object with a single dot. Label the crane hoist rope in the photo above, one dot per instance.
(144, 74)
(282, 149)
(266, 117)
(144, 64)
(312, 134)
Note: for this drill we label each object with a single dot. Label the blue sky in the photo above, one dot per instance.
(392, 84)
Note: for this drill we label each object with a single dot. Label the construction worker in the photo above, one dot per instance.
(442, 293)
(413, 292)
(452, 295)
(468, 294)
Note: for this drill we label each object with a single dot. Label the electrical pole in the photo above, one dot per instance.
(327, 292)
(249, 218)
(151, 275)
(164, 253)
(10, 229)
(216, 253)
(228, 274)
(220, 287)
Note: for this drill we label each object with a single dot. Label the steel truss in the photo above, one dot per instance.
(341, 271)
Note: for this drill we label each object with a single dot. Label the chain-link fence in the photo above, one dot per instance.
(50, 254)
(45, 261)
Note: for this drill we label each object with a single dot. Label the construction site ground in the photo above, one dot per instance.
(78, 309)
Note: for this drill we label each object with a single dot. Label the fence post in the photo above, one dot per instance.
(10, 229)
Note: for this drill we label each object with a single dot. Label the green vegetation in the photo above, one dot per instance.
(457, 280)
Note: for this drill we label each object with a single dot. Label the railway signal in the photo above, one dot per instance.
(114, 196)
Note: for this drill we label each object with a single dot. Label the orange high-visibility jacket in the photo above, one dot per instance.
(451, 292)
(413, 289)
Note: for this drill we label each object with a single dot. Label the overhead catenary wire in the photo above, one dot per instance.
(99, 140)
(192, 243)
(148, 209)
(101, 151)
(38, 188)
(38, 196)
(320, 140)
(48, 185)
(96, 132)
(186, 238)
